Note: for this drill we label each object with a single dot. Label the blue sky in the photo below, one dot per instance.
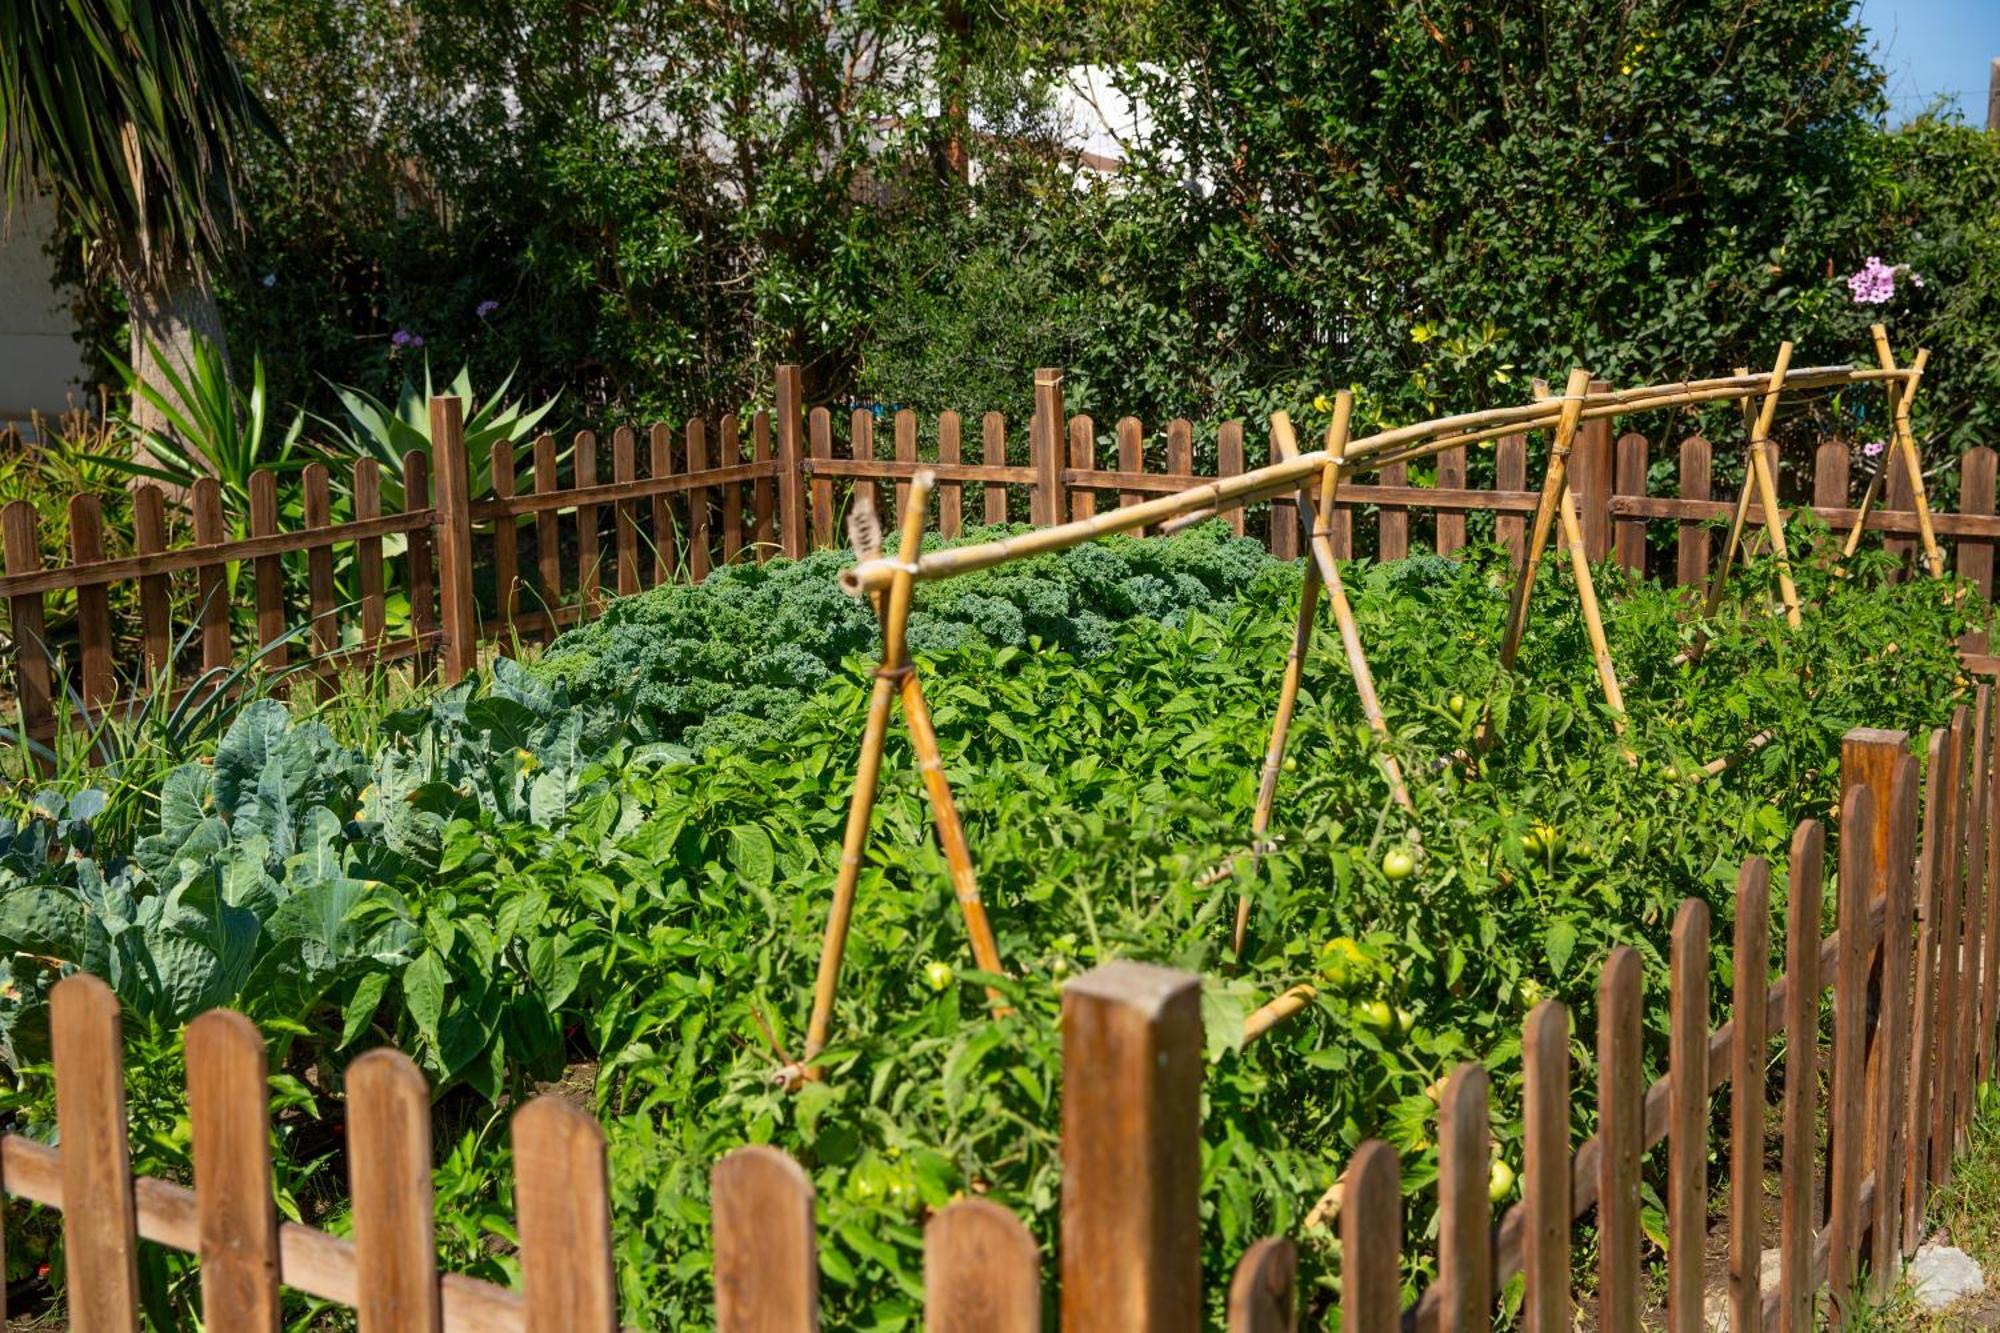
(1935, 46)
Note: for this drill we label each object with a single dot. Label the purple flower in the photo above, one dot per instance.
(1874, 283)
(1873, 449)
(486, 308)
(404, 338)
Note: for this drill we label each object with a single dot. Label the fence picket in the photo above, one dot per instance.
(211, 582)
(729, 445)
(791, 465)
(993, 451)
(1831, 463)
(1451, 522)
(697, 501)
(1967, 926)
(1545, 1168)
(1950, 926)
(417, 555)
(589, 567)
(33, 679)
(368, 553)
(389, 1175)
(760, 488)
(1898, 498)
(229, 1110)
(1590, 480)
(1082, 458)
(1889, 1067)
(1628, 536)
(1687, 1118)
(1510, 472)
(666, 539)
(1392, 524)
(625, 513)
(766, 1265)
(1045, 433)
(1229, 463)
(951, 494)
(1939, 797)
(906, 452)
(1975, 496)
(861, 448)
(1691, 549)
(1989, 1004)
(1801, 1134)
(457, 610)
(319, 577)
(548, 530)
(506, 548)
(1750, 963)
(93, 606)
(562, 1203)
(821, 429)
(149, 537)
(1465, 1209)
(982, 1271)
(1621, 1128)
(1847, 1116)
(1131, 457)
(100, 1239)
(1263, 1296)
(1371, 1228)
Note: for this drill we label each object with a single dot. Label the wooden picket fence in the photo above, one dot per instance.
(486, 561)
(1913, 965)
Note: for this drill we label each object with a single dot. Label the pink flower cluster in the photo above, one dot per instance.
(1875, 282)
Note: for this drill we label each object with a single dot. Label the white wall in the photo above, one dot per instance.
(40, 363)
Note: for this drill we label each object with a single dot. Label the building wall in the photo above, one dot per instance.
(40, 362)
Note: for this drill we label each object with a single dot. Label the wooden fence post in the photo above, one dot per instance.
(1628, 537)
(1371, 1233)
(1510, 473)
(389, 1177)
(1229, 463)
(1263, 1296)
(766, 1261)
(1045, 445)
(1801, 1135)
(791, 465)
(1940, 800)
(460, 649)
(100, 1224)
(1687, 1119)
(1750, 960)
(562, 1203)
(1888, 1114)
(1131, 1148)
(237, 1214)
(1082, 458)
(1975, 496)
(1545, 1168)
(211, 581)
(1847, 1116)
(33, 676)
(1691, 554)
(982, 1272)
(1985, 746)
(1621, 1128)
(1465, 1210)
(1590, 479)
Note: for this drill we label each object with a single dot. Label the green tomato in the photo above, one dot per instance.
(1341, 962)
(1528, 991)
(1456, 704)
(1499, 1181)
(1376, 1016)
(1531, 843)
(1405, 1020)
(1398, 864)
(938, 974)
(1547, 837)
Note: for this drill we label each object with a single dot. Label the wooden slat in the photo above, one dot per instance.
(699, 536)
(149, 537)
(1751, 966)
(1045, 433)
(993, 450)
(1687, 1138)
(548, 525)
(1180, 447)
(1972, 916)
(1801, 1135)
(1889, 1059)
(625, 513)
(1131, 457)
(93, 609)
(1831, 464)
(211, 585)
(729, 453)
(1989, 1037)
(1939, 798)
(458, 611)
(1131, 1150)
(419, 559)
(861, 448)
(660, 466)
(1848, 1113)
(1545, 1168)
(319, 575)
(1451, 476)
(1896, 494)
(1371, 1227)
(589, 562)
(1263, 1295)
(760, 487)
(791, 462)
(906, 452)
(950, 493)
(766, 1266)
(1622, 1134)
(1465, 1210)
(1951, 917)
(1975, 496)
(1691, 551)
(1392, 526)
(822, 487)
(1628, 537)
(982, 1271)
(389, 1174)
(562, 1201)
(1510, 473)
(229, 1109)
(33, 670)
(1229, 463)
(506, 547)
(1082, 459)
(1590, 478)
(367, 483)
(100, 1240)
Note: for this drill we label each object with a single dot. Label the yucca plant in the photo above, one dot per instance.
(376, 430)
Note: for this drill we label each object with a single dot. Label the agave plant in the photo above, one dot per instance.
(374, 429)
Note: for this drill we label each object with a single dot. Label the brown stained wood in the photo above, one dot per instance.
(1590, 481)
(993, 453)
(1131, 457)
(1687, 1135)
(1045, 433)
(1847, 1116)
(458, 612)
(1371, 1230)
(1975, 496)
(766, 1266)
(100, 1239)
(699, 536)
(1897, 495)
(1392, 526)
(1972, 916)
(1451, 477)
(1622, 1135)
(389, 1174)
(1691, 550)
(906, 452)
(367, 484)
(982, 1271)
(419, 558)
(325, 637)
(1950, 927)
(1889, 1060)
(1229, 463)
(211, 580)
(1751, 966)
(666, 540)
(791, 466)
(1940, 796)
(562, 1202)
(1803, 881)
(1465, 1212)
(1082, 458)
(1869, 757)
(149, 537)
(1263, 1295)
(1180, 447)
(729, 452)
(33, 670)
(761, 505)
(822, 485)
(548, 524)
(950, 493)
(1989, 1038)
(589, 561)
(1545, 1168)
(625, 513)
(1131, 1150)
(93, 608)
(1510, 473)
(506, 547)
(1831, 469)
(229, 1109)
(1628, 537)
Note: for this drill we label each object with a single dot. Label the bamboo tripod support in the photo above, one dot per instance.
(1905, 441)
(893, 679)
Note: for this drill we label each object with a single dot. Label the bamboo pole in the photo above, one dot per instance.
(895, 620)
(1553, 483)
(1906, 440)
(1848, 547)
(1284, 1006)
(1767, 486)
(1281, 723)
(944, 811)
(1593, 619)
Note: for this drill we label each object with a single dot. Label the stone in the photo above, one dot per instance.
(1943, 1275)
(1715, 1306)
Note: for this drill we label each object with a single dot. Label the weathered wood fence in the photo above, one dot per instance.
(1913, 965)
(539, 541)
